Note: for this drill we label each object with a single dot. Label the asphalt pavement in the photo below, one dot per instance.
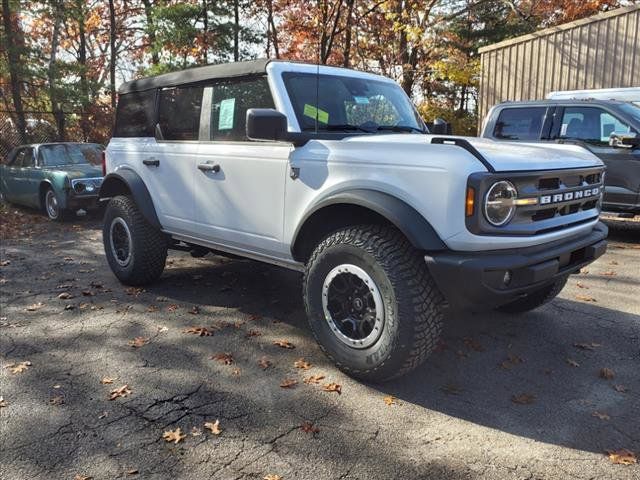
(538, 396)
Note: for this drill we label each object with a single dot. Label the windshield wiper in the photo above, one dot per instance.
(400, 128)
(339, 127)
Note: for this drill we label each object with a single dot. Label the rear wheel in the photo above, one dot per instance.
(135, 250)
(371, 302)
(535, 299)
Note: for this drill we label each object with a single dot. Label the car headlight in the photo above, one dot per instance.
(500, 203)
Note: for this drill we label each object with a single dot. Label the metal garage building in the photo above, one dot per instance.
(602, 51)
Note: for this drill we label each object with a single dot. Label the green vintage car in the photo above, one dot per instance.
(57, 178)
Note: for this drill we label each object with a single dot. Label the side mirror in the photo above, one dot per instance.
(266, 124)
(441, 127)
(624, 140)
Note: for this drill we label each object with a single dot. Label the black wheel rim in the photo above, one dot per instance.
(120, 240)
(352, 306)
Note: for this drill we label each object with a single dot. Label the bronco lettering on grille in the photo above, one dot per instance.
(567, 196)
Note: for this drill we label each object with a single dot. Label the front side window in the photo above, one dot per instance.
(179, 113)
(230, 102)
(591, 125)
(333, 102)
(520, 123)
(57, 155)
(135, 114)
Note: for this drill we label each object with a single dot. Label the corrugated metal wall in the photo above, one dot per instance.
(602, 51)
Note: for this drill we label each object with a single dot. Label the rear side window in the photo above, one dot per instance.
(230, 102)
(135, 114)
(520, 123)
(179, 112)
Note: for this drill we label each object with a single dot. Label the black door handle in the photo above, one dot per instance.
(209, 167)
(151, 162)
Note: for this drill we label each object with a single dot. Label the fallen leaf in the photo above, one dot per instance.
(88, 293)
(584, 271)
(4, 263)
(573, 363)
(175, 436)
(264, 363)
(3, 403)
(103, 415)
(332, 387)
(65, 296)
(587, 346)
(133, 471)
(123, 391)
(313, 379)
(308, 427)
(69, 307)
(473, 344)
(152, 308)
(607, 373)
(582, 285)
(172, 308)
(585, 298)
(253, 333)
(609, 273)
(288, 383)
(622, 457)
(284, 344)
(601, 416)
(82, 477)
(451, 389)
(18, 367)
(201, 331)
(390, 400)
(225, 358)
(108, 380)
(302, 364)
(34, 307)
(213, 427)
(138, 342)
(135, 291)
(56, 400)
(523, 399)
(195, 432)
(195, 310)
(271, 476)
(620, 388)
(235, 371)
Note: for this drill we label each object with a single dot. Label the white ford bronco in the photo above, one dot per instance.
(332, 172)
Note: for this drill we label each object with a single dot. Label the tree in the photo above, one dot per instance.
(14, 49)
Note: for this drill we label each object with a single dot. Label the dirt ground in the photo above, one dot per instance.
(504, 397)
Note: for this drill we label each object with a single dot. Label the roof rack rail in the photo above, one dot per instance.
(462, 143)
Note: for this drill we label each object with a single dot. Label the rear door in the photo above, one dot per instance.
(593, 125)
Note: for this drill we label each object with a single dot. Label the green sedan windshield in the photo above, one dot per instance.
(70, 154)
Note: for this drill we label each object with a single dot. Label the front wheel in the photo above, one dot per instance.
(135, 250)
(535, 299)
(371, 302)
(52, 206)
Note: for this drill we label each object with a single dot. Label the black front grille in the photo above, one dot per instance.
(563, 198)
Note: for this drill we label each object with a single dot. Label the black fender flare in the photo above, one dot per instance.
(113, 184)
(406, 218)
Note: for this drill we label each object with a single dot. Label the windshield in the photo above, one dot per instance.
(70, 154)
(632, 110)
(340, 103)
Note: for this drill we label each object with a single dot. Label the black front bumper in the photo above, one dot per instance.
(475, 280)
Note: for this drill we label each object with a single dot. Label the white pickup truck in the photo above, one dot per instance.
(332, 172)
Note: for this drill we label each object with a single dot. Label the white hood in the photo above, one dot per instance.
(506, 156)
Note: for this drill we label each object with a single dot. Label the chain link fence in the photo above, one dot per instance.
(43, 127)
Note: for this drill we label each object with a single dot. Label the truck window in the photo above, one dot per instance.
(179, 112)
(230, 102)
(135, 114)
(520, 123)
(591, 124)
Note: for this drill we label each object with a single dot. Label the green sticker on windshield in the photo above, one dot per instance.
(313, 112)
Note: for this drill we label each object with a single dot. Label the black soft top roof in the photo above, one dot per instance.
(197, 74)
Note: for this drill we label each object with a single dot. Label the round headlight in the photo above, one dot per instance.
(90, 187)
(499, 204)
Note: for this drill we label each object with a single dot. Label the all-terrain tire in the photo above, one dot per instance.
(535, 299)
(413, 305)
(148, 252)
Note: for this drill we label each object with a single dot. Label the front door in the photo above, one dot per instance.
(239, 184)
(593, 125)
